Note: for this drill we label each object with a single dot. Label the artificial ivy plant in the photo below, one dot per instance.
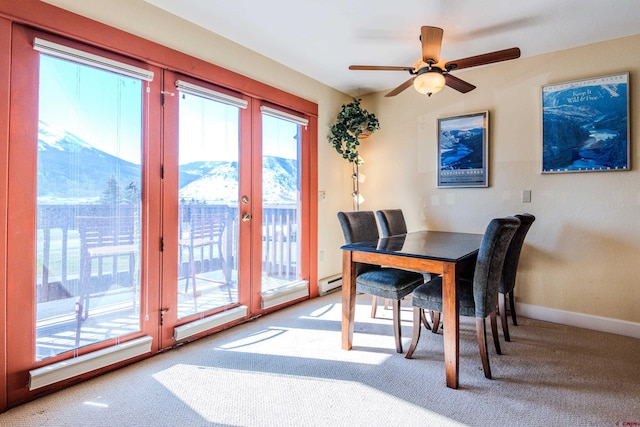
(352, 123)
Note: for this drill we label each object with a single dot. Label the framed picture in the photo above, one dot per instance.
(463, 150)
(585, 125)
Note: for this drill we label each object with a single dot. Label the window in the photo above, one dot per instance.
(89, 180)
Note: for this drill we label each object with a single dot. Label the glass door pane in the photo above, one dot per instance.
(89, 180)
(280, 202)
(207, 203)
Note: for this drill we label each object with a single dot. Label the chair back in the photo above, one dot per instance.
(391, 222)
(207, 227)
(357, 227)
(508, 281)
(493, 249)
(105, 231)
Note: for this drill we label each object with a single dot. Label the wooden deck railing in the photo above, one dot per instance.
(59, 255)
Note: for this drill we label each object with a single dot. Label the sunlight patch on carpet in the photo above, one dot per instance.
(224, 396)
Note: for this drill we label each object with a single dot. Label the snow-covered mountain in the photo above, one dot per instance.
(71, 170)
(278, 181)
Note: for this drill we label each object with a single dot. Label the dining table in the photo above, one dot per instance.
(450, 254)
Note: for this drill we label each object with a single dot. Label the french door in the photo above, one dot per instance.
(232, 207)
(80, 223)
(146, 208)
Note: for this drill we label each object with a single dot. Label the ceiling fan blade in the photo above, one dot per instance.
(484, 59)
(400, 88)
(379, 67)
(458, 84)
(431, 38)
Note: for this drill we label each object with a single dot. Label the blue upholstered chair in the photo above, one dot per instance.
(508, 281)
(392, 223)
(390, 283)
(478, 298)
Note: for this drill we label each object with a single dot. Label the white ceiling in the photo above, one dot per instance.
(321, 38)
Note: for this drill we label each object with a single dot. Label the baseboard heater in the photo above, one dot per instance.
(284, 294)
(330, 284)
(66, 369)
(210, 322)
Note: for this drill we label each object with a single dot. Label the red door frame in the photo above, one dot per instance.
(170, 207)
(5, 66)
(22, 213)
(308, 204)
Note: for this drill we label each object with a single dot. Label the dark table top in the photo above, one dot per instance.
(434, 245)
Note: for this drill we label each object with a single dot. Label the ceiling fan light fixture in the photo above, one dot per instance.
(429, 82)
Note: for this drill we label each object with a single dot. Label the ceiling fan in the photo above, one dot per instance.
(430, 73)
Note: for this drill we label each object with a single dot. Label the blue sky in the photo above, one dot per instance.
(105, 109)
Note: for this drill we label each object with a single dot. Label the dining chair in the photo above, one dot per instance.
(510, 269)
(392, 223)
(478, 298)
(384, 282)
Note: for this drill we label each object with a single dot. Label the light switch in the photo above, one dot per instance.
(526, 196)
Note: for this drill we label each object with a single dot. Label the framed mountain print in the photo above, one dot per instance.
(463, 150)
(585, 125)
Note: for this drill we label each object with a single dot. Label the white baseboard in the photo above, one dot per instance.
(329, 284)
(580, 320)
(285, 294)
(80, 365)
(209, 322)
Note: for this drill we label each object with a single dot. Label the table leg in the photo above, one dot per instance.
(348, 298)
(451, 325)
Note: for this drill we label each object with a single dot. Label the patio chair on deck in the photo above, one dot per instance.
(203, 241)
(102, 237)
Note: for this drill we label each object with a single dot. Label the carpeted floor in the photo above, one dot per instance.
(287, 369)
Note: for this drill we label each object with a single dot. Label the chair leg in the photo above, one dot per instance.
(225, 269)
(482, 346)
(374, 306)
(192, 267)
(512, 308)
(192, 271)
(494, 331)
(396, 325)
(425, 322)
(503, 316)
(435, 317)
(78, 321)
(85, 283)
(418, 313)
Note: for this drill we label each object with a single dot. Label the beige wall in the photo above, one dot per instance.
(580, 255)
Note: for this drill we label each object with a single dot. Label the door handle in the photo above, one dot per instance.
(246, 217)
